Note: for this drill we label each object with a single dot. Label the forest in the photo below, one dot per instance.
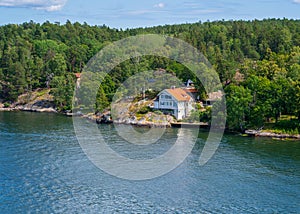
(258, 63)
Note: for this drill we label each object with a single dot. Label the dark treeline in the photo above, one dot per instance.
(258, 62)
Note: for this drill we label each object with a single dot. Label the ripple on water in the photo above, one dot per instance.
(43, 170)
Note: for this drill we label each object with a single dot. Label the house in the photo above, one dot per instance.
(175, 101)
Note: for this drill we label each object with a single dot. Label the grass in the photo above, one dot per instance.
(42, 92)
(286, 125)
(34, 96)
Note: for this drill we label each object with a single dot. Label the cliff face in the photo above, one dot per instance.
(37, 101)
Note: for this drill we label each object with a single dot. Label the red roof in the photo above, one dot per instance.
(179, 94)
(191, 90)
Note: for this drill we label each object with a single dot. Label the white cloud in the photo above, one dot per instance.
(48, 5)
(160, 5)
(297, 1)
(138, 12)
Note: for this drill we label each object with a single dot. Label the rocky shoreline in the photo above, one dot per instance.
(45, 106)
(163, 121)
(30, 109)
(262, 133)
(39, 100)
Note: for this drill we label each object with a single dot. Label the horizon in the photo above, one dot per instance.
(134, 14)
(145, 27)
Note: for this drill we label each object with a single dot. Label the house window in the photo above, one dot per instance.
(162, 103)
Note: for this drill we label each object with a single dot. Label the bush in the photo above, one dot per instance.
(6, 105)
(197, 115)
(288, 126)
(151, 94)
(144, 110)
(158, 112)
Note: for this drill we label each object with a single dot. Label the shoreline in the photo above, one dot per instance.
(93, 118)
(26, 109)
(254, 133)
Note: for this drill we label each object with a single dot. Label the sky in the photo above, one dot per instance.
(143, 13)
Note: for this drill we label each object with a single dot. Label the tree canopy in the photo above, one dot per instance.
(258, 62)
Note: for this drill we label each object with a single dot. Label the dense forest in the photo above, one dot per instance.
(258, 63)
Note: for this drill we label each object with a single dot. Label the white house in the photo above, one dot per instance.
(175, 101)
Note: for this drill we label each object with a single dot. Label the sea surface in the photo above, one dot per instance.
(44, 170)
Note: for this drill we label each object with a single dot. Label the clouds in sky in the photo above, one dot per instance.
(48, 5)
(159, 5)
(136, 13)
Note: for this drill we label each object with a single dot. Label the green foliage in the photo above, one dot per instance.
(292, 124)
(151, 94)
(238, 101)
(144, 110)
(265, 53)
(6, 105)
(62, 90)
(158, 112)
(101, 100)
(198, 115)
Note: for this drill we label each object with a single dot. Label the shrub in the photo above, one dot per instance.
(158, 112)
(6, 105)
(144, 110)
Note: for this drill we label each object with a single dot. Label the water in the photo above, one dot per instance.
(43, 170)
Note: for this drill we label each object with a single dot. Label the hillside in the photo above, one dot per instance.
(258, 63)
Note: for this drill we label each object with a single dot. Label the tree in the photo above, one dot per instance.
(238, 101)
(101, 100)
(58, 65)
(63, 90)
(261, 105)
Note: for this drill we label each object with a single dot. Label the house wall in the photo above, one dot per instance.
(167, 102)
(181, 111)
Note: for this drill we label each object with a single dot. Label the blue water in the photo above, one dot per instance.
(44, 170)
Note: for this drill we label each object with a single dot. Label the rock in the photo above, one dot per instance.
(6, 109)
(104, 119)
(270, 134)
(142, 122)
